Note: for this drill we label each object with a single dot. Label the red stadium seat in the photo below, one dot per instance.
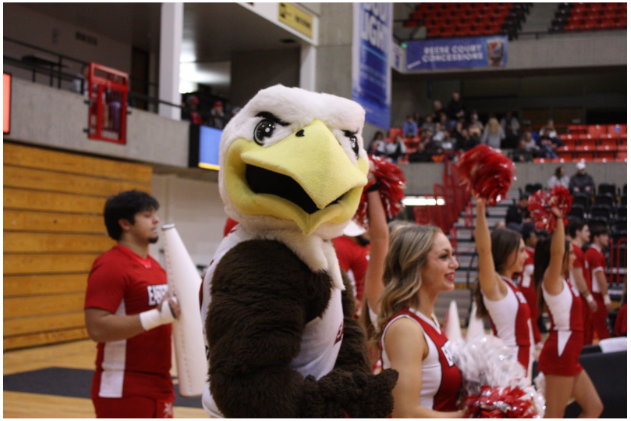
(596, 129)
(584, 158)
(621, 157)
(565, 155)
(586, 140)
(576, 129)
(604, 160)
(567, 148)
(607, 145)
(559, 160)
(622, 143)
(395, 131)
(541, 160)
(617, 128)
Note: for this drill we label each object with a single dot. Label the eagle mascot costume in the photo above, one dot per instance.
(279, 327)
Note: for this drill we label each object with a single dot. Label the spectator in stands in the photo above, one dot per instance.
(410, 128)
(428, 124)
(475, 126)
(439, 133)
(522, 154)
(518, 214)
(190, 112)
(378, 145)
(510, 126)
(581, 182)
(463, 139)
(426, 148)
(448, 143)
(217, 116)
(531, 145)
(418, 119)
(396, 149)
(533, 133)
(559, 178)
(438, 109)
(493, 134)
(455, 107)
(550, 129)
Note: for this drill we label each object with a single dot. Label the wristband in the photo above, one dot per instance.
(589, 298)
(606, 299)
(373, 187)
(151, 319)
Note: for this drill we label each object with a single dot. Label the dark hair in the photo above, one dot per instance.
(542, 261)
(599, 230)
(557, 172)
(575, 225)
(124, 206)
(522, 197)
(504, 242)
(527, 230)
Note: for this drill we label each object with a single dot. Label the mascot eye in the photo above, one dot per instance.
(263, 130)
(352, 137)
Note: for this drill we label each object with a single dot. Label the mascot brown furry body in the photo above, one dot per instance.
(279, 326)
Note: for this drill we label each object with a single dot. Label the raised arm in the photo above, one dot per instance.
(379, 239)
(552, 281)
(488, 278)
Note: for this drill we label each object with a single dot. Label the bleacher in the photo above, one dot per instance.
(572, 17)
(592, 143)
(449, 20)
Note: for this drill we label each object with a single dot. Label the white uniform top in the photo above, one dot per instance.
(431, 369)
(321, 338)
(560, 306)
(503, 314)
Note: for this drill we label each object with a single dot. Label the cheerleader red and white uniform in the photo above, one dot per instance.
(527, 287)
(580, 262)
(560, 353)
(596, 262)
(511, 322)
(441, 377)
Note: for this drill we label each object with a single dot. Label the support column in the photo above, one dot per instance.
(308, 66)
(171, 23)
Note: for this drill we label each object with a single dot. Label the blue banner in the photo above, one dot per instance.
(449, 53)
(372, 39)
(209, 139)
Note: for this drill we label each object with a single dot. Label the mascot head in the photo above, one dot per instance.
(294, 159)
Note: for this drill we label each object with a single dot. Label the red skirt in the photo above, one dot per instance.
(567, 363)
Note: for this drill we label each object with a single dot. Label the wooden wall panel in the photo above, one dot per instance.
(24, 285)
(53, 230)
(21, 220)
(46, 159)
(29, 242)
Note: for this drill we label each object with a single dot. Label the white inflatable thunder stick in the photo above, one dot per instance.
(452, 323)
(476, 325)
(184, 280)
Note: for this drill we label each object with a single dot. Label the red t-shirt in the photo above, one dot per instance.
(352, 258)
(579, 262)
(123, 283)
(595, 262)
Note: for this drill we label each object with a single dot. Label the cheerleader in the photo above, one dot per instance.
(501, 254)
(420, 264)
(559, 358)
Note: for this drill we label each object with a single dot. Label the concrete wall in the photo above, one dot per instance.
(421, 177)
(55, 118)
(334, 59)
(196, 210)
(251, 71)
(29, 26)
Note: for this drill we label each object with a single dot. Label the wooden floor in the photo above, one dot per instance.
(80, 355)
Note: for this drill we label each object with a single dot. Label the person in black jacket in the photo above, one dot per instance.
(581, 182)
(518, 214)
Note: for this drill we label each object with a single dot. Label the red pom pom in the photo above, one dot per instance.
(497, 402)
(391, 190)
(487, 173)
(539, 204)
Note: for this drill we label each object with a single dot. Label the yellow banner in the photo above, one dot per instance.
(296, 18)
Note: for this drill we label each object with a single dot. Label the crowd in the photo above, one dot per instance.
(200, 112)
(453, 129)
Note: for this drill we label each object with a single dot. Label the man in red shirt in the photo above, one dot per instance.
(597, 263)
(578, 233)
(352, 253)
(128, 311)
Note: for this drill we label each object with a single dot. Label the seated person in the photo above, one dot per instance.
(522, 154)
(410, 129)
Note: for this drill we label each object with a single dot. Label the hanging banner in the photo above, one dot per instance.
(372, 41)
(452, 53)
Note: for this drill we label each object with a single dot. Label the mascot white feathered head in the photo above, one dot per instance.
(294, 159)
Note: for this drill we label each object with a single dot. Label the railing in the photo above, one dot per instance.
(53, 69)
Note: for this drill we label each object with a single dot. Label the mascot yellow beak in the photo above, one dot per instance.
(306, 177)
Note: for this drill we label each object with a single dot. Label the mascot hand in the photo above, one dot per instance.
(359, 394)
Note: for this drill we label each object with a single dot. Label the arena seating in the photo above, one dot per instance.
(571, 17)
(449, 20)
(592, 143)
